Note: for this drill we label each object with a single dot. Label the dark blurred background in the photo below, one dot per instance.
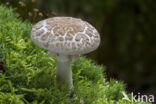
(127, 29)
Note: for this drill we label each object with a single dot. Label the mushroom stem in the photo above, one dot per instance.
(63, 69)
(64, 73)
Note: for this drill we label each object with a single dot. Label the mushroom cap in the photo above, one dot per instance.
(65, 35)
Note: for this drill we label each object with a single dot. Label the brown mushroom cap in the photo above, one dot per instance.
(65, 35)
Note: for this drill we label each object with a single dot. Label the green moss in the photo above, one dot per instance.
(30, 73)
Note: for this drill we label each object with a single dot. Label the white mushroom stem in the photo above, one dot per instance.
(63, 69)
(64, 73)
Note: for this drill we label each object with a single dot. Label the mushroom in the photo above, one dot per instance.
(65, 38)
